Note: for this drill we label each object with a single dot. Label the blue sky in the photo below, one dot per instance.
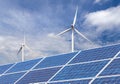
(41, 19)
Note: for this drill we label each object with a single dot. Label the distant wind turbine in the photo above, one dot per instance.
(22, 49)
(73, 29)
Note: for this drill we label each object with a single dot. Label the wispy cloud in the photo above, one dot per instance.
(100, 1)
(104, 20)
(41, 25)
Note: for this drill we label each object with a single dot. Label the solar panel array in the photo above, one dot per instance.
(100, 65)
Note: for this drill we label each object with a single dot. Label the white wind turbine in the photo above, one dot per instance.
(73, 29)
(22, 49)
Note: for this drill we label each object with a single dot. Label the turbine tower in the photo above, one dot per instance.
(22, 49)
(73, 29)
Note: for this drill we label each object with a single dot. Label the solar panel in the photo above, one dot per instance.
(10, 78)
(119, 55)
(112, 69)
(79, 71)
(55, 60)
(38, 75)
(22, 66)
(4, 68)
(96, 54)
(107, 80)
(72, 82)
(71, 68)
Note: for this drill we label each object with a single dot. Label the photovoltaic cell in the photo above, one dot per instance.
(108, 80)
(38, 76)
(23, 66)
(112, 69)
(73, 82)
(4, 68)
(55, 60)
(11, 78)
(96, 54)
(119, 55)
(80, 71)
(69, 72)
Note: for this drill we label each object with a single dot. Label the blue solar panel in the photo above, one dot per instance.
(109, 80)
(113, 68)
(38, 75)
(73, 82)
(96, 54)
(24, 66)
(119, 55)
(11, 78)
(70, 74)
(4, 68)
(80, 71)
(55, 60)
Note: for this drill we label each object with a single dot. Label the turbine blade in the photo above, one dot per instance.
(19, 50)
(63, 32)
(83, 36)
(74, 20)
(28, 47)
(24, 38)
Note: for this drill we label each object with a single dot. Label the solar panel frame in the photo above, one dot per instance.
(67, 64)
(107, 80)
(10, 78)
(23, 66)
(4, 68)
(113, 68)
(80, 72)
(55, 60)
(41, 75)
(71, 82)
(86, 55)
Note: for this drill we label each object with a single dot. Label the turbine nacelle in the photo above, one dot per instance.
(72, 26)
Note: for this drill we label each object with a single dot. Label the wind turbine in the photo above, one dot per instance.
(73, 29)
(22, 49)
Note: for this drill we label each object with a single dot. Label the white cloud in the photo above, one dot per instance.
(104, 20)
(100, 1)
(42, 45)
(45, 46)
(97, 1)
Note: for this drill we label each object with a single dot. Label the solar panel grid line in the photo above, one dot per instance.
(104, 68)
(107, 76)
(74, 64)
(56, 60)
(8, 69)
(63, 66)
(26, 65)
(10, 78)
(47, 68)
(87, 78)
(38, 76)
(73, 82)
(29, 70)
(15, 72)
(80, 71)
(112, 69)
(110, 80)
(90, 61)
